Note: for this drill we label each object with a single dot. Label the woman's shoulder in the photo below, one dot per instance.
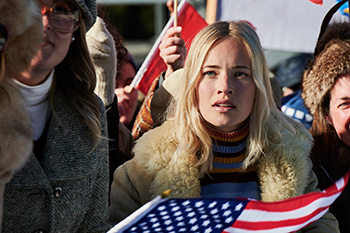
(164, 134)
(156, 146)
(297, 137)
(286, 166)
(293, 149)
(159, 137)
(287, 138)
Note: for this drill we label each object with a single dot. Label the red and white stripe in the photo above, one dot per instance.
(288, 215)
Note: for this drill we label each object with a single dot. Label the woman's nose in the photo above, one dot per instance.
(224, 86)
(46, 22)
(45, 12)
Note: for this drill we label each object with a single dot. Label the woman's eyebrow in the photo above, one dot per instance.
(242, 67)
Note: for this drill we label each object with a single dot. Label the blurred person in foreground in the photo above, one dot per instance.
(64, 185)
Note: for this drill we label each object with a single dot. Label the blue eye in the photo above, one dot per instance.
(240, 74)
(209, 73)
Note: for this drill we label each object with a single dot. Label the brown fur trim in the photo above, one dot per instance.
(318, 80)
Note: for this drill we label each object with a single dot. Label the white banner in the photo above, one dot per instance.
(287, 25)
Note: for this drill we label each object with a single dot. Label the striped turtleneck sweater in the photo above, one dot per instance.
(227, 179)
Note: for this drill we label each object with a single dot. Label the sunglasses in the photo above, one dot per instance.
(64, 16)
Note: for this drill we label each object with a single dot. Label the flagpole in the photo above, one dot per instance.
(211, 9)
(175, 13)
(145, 63)
(139, 213)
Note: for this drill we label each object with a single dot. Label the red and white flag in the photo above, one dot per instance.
(231, 215)
(191, 23)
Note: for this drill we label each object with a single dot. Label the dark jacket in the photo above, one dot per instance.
(68, 190)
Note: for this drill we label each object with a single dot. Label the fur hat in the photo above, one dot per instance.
(319, 79)
(338, 30)
(89, 10)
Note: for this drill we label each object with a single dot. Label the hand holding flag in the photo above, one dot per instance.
(231, 215)
(173, 50)
(191, 23)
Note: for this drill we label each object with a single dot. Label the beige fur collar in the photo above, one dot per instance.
(282, 173)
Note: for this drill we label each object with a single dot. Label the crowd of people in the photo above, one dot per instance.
(210, 125)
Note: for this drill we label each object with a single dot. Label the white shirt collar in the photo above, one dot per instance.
(37, 103)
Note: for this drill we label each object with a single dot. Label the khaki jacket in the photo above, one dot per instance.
(284, 172)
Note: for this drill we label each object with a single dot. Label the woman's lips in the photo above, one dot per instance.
(224, 105)
(46, 42)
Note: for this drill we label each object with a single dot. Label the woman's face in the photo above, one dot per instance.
(339, 108)
(127, 100)
(226, 89)
(54, 47)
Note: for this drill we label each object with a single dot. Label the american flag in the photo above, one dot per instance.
(231, 215)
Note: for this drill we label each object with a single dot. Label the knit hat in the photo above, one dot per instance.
(89, 10)
(290, 71)
(319, 79)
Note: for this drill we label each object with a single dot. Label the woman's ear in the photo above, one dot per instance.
(328, 117)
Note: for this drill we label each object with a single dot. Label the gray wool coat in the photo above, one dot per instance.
(69, 191)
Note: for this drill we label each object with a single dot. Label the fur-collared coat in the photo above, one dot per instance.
(68, 190)
(284, 172)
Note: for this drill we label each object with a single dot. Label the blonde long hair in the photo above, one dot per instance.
(265, 118)
(75, 80)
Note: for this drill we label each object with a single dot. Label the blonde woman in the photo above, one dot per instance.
(224, 136)
(64, 185)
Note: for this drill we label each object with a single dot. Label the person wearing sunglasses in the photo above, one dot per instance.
(64, 185)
